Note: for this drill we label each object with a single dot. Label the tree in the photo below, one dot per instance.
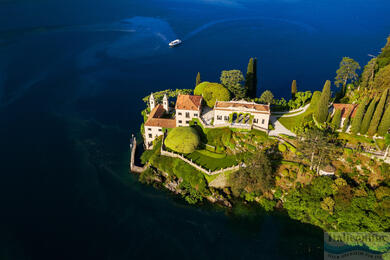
(347, 120)
(232, 80)
(378, 114)
(336, 120)
(367, 117)
(198, 81)
(347, 71)
(251, 80)
(182, 139)
(357, 120)
(294, 89)
(382, 79)
(368, 74)
(212, 92)
(257, 177)
(384, 126)
(322, 108)
(267, 97)
(319, 146)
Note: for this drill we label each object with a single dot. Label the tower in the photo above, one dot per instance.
(152, 102)
(166, 103)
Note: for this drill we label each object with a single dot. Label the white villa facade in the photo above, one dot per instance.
(242, 113)
(235, 114)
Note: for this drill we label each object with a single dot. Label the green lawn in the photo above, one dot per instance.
(294, 121)
(212, 161)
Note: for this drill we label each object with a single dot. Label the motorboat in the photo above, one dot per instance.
(174, 43)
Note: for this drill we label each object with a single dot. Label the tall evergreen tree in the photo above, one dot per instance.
(357, 120)
(250, 80)
(378, 114)
(347, 71)
(232, 79)
(336, 120)
(198, 81)
(322, 109)
(347, 120)
(293, 89)
(384, 126)
(368, 116)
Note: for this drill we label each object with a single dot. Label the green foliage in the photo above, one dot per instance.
(267, 97)
(368, 116)
(357, 120)
(198, 80)
(384, 126)
(169, 92)
(282, 148)
(211, 161)
(191, 194)
(336, 120)
(219, 136)
(182, 140)
(232, 80)
(212, 92)
(300, 99)
(293, 89)
(322, 109)
(347, 120)
(257, 177)
(384, 56)
(251, 78)
(378, 114)
(382, 79)
(267, 204)
(347, 71)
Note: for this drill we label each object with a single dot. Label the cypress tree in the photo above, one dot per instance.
(377, 115)
(357, 120)
(250, 79)
(385, 123)
(336, 120)
(198, 81)
(368, 116)
(347, 120)
(322, 109)
(254, 93)
(293, 89)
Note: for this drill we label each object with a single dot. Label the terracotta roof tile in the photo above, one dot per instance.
(242, 105)
(155, 119)
(188, 102)
(345, 108)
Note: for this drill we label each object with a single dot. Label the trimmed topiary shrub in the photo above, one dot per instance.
(282, 148)
(183, 139)
(212, 92)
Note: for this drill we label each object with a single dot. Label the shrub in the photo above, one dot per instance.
(183, 139)
(212, 92)
(285, 172)
(282, 148)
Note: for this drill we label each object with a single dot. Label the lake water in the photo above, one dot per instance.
(72, 75)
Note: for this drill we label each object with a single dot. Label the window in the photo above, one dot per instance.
(180, 121)
(187, 122)
(160, 130)
(149, 129)
(179, 113)
(262, 122)
(219, 117)
(150, 135)
(187, 114)
(195, 114)
(226, 118)
(255, 121)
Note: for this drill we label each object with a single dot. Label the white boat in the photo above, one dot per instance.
(174, 43)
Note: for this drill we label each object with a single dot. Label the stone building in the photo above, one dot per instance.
(241, 114)
(187, 107)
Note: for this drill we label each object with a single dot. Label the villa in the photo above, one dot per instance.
(234, 114)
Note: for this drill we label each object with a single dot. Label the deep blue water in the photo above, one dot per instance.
(72, 75)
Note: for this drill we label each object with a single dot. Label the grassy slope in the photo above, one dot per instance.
(294, 121)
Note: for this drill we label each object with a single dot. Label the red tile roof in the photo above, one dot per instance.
(188, 102)
(242, 105)
(155, 119)
(345, 108)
